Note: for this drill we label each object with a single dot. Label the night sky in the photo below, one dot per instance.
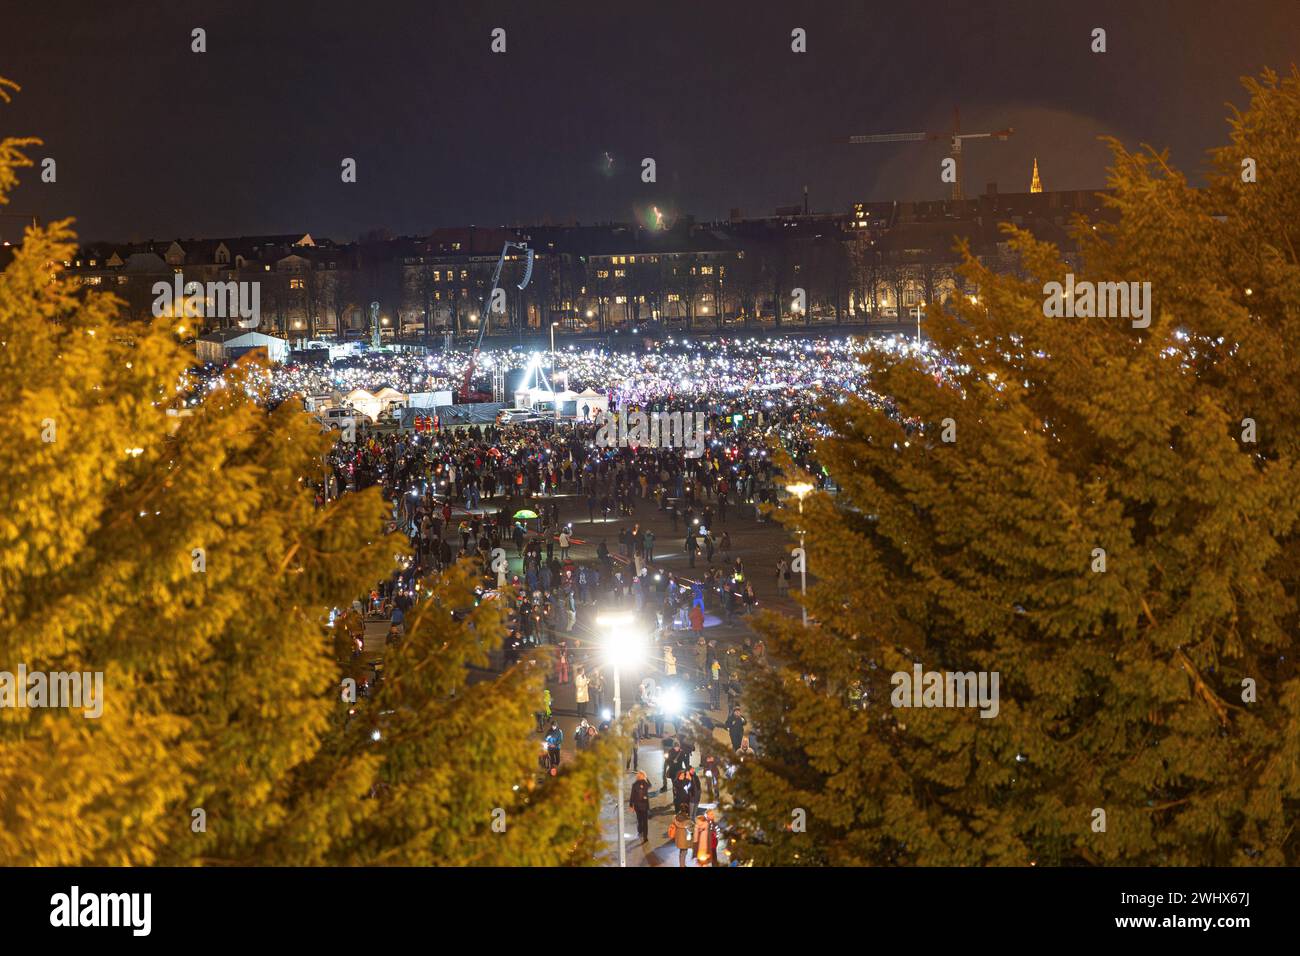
(155, 141)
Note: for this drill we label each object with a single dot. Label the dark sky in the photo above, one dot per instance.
(155, 141)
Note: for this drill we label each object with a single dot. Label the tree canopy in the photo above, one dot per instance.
(1103, 514)
(180, 552)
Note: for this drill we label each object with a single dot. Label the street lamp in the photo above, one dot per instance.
(622, 647)
(918, 322)
(800, 490)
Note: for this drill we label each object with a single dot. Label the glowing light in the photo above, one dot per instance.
(671, 702)
(622, 645)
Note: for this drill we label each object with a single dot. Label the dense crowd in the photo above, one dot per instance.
(686, 370)
(485, 493)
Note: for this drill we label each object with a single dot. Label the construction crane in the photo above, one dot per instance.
(955, 137)
(487, 301)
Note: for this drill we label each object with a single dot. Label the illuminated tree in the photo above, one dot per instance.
(177, 550)
(1148, 711)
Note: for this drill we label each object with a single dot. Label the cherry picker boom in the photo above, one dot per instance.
(464, 394)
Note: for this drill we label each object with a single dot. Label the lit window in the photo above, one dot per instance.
(295, 283)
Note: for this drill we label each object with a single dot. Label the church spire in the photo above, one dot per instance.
(1036, 186)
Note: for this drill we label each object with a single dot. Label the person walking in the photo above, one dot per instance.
(640, 804)
(581, 685)
(562, 665)
(564, 545)
(672, 766)
(554, 741)
(670, 663)
(633, 760)
(735, 728)
(711, 771)
(679, 831)
(703, 856)
(692, 788)
(712, 819)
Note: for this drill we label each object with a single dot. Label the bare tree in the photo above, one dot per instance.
(342, 297)
(683, 281)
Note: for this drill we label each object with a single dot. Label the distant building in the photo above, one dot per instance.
(868, 264)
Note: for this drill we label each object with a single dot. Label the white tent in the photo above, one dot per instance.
(590, 403)
(229, 344)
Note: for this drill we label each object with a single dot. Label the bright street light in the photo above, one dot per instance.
(622, 646)
(671, 702)
(801, 490)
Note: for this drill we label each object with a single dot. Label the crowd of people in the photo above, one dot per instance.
(668, 370)
(491, 495)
